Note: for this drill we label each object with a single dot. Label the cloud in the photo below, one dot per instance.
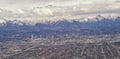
(117, 1)
(41, 10)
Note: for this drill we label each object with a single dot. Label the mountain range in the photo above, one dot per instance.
(100, 25)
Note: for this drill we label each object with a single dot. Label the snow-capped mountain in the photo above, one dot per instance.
(19, 22)
(98, 25)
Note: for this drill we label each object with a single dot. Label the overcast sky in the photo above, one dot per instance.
(41, 10)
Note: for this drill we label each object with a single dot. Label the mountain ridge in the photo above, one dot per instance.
(63, 27)
(19, 22)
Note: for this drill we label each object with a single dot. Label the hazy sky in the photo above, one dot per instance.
(42, 10)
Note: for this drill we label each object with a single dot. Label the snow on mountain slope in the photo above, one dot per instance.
(87, 19)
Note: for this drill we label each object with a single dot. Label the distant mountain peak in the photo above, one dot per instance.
(63, 20)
